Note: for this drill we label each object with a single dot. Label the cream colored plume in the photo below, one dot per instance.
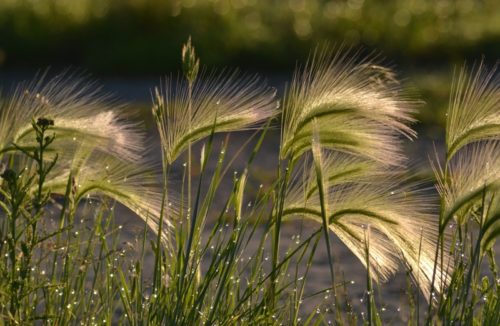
(80, 113)
(359, 109)
(474, 111)
(401, 218)
(99, 152)
(134, 185)
(473, 170)
(219, 103)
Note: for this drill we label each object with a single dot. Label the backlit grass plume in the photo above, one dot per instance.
(98, 151)
(472, 172)
(403, 226)
(79, 110)
(219, 103)
(94, 175)
(474, 111)
(469, 185)
(472, 168)
(358, 108)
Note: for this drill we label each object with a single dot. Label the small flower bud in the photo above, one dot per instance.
(190, 64)
(9, 175)
(44, 122)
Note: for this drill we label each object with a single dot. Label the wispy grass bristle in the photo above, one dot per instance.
(81, 111)
(223, 102)
(357, 110)
(398, 212)
(474, 113)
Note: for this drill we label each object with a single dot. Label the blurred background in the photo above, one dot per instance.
(128, 41)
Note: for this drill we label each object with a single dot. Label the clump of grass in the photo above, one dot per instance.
(468, 182)
(340, 166)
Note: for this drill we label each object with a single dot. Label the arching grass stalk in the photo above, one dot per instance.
(371, 308)
(277, 217)
(475, 259)
(439, 245)
(190, 67)
(323, 198)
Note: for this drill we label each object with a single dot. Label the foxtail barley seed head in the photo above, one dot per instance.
(80, 112)
(358, 107)
(220, 103)
(474, 111)
(401, 217)
(101, 150)
(473, 170)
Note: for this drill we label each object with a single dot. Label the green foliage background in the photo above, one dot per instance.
(143, 36)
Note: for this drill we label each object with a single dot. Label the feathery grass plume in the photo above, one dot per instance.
(221, 102)
(397, 213)
(80, 111)
(101, 150)
(474, 111)
(491, 225)
(473, 170)
(95, 174)
(358, 107)
(340, 168)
